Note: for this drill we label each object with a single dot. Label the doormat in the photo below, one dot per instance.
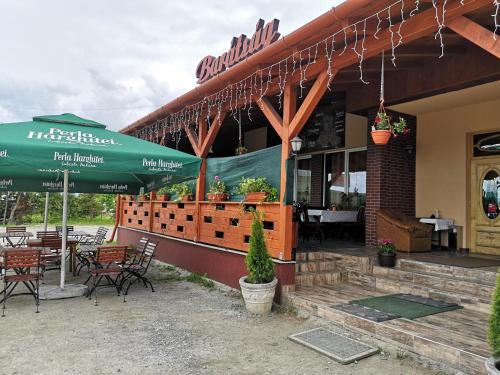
(339, 348)
(366, 312)
(406, 309)
(424, 300)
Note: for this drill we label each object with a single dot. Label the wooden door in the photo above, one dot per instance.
(485, 205)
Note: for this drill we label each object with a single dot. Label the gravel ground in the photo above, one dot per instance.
(183, 328)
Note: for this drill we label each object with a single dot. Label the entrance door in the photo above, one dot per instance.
(485, 205)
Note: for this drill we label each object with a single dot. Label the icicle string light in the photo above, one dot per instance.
(244, 93)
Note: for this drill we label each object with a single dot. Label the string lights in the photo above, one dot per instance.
(240, 96)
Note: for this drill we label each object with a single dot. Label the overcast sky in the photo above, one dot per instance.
(116, 60)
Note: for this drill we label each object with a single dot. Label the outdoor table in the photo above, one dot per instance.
(72, 245)
(439, 225)
(328, 216)
(78, 235)
(16, 239)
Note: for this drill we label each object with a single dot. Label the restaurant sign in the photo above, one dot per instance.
(241, 48)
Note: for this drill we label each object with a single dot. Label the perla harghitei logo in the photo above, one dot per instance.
(62, 136)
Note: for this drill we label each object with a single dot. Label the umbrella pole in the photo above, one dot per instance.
(64, 228)
(46, 212)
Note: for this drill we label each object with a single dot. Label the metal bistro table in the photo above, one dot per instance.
(78, 235)
(16, 239)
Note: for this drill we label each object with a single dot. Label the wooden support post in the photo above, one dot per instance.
(286, 225)
(476, 33)
(200, 196)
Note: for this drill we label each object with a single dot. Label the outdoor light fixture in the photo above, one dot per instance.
(296, 145)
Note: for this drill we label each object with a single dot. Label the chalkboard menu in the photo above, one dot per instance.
(325, 129)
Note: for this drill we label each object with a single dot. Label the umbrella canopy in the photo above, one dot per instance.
(34, 154)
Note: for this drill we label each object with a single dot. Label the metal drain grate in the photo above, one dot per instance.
(340, 348)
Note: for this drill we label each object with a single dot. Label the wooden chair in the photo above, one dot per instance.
(47, 234)
(88, 247)
(309, 229)
(53, 261)
(21, 261)
(15, 229)
(108, 264)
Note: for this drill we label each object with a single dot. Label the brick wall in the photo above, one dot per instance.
(390, 176)
(316, 180)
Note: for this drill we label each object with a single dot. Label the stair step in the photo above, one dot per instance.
(314, 266)
(462, 273)
(437, 281)
(309, 256)
(468, 301)
(317, 278)
(456, 338)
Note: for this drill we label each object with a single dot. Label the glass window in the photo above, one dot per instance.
(357, 178)
(335, 179)
(487, 144)
(304, 180)
(491, 194)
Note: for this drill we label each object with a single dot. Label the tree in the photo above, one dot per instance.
(258, 261)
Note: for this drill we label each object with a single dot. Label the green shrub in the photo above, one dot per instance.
(259, 264)
(181, 190)
(494, 329)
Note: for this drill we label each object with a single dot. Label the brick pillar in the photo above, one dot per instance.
(316, 180)
(390, 175)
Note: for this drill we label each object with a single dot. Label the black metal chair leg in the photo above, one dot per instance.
(4, 297)
(95, 290)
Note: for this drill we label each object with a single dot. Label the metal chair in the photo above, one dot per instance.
(21, 261)
(88, 247)
(69, 228)
(137, 270)
(107, 264)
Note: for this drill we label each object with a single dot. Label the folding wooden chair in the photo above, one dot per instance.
(21, 261)
(108, 264)
(15, 229)
(88, 247)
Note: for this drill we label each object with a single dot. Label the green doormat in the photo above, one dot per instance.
(394, 304)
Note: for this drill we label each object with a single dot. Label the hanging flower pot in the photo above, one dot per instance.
(381, 137)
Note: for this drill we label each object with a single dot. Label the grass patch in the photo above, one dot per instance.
(200, 280)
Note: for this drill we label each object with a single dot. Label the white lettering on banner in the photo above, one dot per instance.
(161, 165)
(56, 135)
(4, 183)
(77, 159)
(56, 185)
(115, 188)
(4, 154)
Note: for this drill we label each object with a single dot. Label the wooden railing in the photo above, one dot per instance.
(224, 224)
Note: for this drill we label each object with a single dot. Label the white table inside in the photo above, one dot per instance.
(328, 216)
(440, 225)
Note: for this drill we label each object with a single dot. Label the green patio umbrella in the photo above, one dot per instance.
(70, 154)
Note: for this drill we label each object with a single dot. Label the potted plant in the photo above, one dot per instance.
(240, 150)
(383, 128)
(217, 190)
(259, 286)
(493, 363)
(386, 253)
(163, 194)
(182, 191)
(257, 190)
(144, 197)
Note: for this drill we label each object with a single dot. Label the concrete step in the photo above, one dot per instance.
(485, 276)
(317, 278)
(315, 265)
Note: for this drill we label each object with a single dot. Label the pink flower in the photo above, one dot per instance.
(217, 178)
(377, 120)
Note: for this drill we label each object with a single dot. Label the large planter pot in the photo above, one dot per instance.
(259, 196)
(381, 137)
(386, 260)
(258, 297)
(217, 197)
(493, 366)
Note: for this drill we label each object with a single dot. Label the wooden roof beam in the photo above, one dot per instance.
(476, 34)
(272, 116)
(212, 134)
